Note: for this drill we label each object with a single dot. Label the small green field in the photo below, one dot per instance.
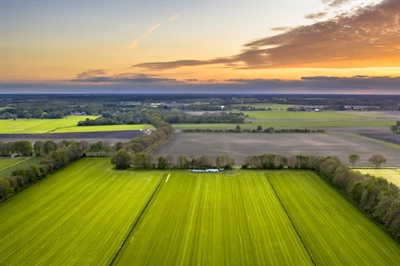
(78, 216)
(20, 126)
(392, 175)
(284, 115)
(272, 106)
(20, 162)
(101, 128)
(6, 162)
(90, 214)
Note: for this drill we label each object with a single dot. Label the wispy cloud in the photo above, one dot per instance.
(144, 35)
(367, 37)
(280, 28)
(174, 17)
(337, 3)
(148, 32)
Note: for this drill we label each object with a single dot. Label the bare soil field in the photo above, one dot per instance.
(241, 145)
(110, 136)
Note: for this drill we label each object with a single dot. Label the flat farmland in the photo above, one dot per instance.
(246, 144)
(6, 162)
(214, 219)
(333, 230)
(391, 175)
(78, 216)
(11, 126)
(90, 214)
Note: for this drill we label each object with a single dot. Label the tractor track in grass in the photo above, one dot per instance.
(290, 219)
(136, 222)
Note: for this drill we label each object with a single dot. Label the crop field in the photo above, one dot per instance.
(102, 128)
(10, 126)
(332, 229)
(19, 163)
(247, 144)
(6, 162)
(89, 214)
(78, 216)
(392, 175)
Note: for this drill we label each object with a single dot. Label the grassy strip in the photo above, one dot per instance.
(25, 163)
(334, 231)
(215, 219)
(21, 126)
(391, 175)
(7, 162)
(80, 215)
(101, 128)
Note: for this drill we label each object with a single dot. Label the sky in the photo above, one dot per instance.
(197, 46)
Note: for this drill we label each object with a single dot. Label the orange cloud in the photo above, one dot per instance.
(368, 37)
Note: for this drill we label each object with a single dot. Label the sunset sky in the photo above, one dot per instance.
(265, 46)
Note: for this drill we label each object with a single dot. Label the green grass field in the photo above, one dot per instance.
(6, 162)
(64, 125)
(392, 175)
(19, 163)
(332, 229)
(10, 126)
(83, 214)
(272, 106)
(284, 115)
(215, 219)
(102, 128)
(78, 216)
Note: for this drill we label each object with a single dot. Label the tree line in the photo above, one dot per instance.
(124, 159)
(259, 129)
(53, 161)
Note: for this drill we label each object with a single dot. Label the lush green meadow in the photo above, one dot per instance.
(332, 229)
(392, 175)
(90, 214)
(215, 219)
(20, 126)
(78, 216)
(20, 162)
(6, 162)
(102, 128)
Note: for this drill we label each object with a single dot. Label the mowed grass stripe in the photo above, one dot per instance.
(333, 230)
(82, 222)
(214, 219)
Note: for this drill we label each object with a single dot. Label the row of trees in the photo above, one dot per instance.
(20, 148)
(124, 159)
(52, 162)
(375, 159)
(375, 196)
(259, 129)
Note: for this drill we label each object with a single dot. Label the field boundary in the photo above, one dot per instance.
(15, 164)
(290, 219)
(136, 222)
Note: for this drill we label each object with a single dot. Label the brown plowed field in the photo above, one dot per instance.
(245, 144)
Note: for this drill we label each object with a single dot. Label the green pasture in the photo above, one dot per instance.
(332, 229)
(214, 219)
(7, 165)
(391, 175)
(284, 115)
(6, 162)
(101, 128)
(90, 214)
(20, 126)
(272, 106)
(78, 216)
